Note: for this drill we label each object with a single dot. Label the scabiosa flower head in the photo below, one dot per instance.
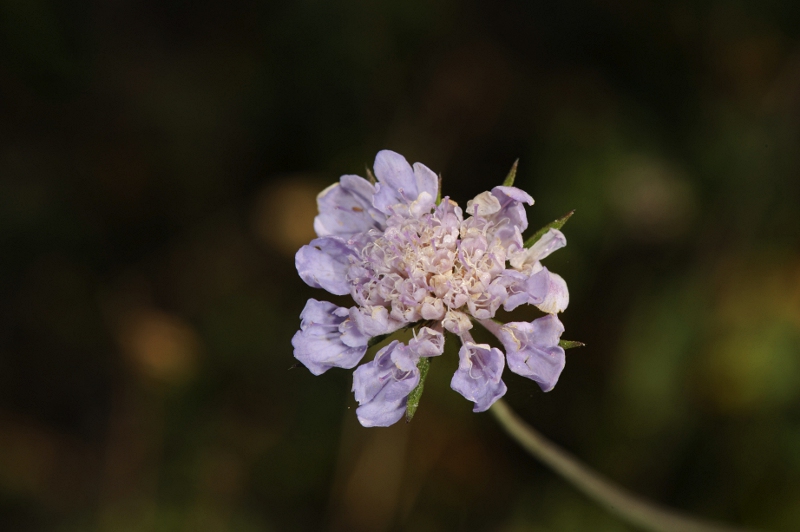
(410, 260)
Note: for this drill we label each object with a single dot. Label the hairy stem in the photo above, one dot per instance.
(615, 499)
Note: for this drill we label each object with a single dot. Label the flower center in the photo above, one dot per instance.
(421, 266)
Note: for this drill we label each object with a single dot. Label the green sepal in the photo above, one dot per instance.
(439, 191)
(424, 365)
(512, 174)
(569, 344)
(555, 224)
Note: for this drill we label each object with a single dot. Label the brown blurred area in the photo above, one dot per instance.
(159, 164)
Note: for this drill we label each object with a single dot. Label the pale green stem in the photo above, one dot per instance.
(617, 500)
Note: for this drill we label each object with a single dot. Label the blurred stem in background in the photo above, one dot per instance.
(618, 501)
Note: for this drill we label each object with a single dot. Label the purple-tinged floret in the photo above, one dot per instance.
(478, 375)
(427, 342)
(399, 183)
(381, 386)
(322, 341)
(324, 264)
(345, 208)
(532, 349)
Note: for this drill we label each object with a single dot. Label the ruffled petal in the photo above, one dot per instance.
(319, 344)
(345, 208)
(385, 198)
(532, 349)
(351, 334)
(428, 342)
(422, 205)
(551, 241)
(396, 180)
(511, 200)
(478, 377)
(323, 264)
(456, 322)
(537, 286)
(557, 297)
(524, 288)
(506, 194)
(374, 321)
(427, 180)
(516, 289)
(381, 386)
(500, 216)
(547, 330)
(484, 205)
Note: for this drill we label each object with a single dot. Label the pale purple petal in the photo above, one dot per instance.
(385, 198)
(432, 309)
(424, 204)
(486, 304)
(537, 286)
(456, 322)
(511, 200)
(427, 180)
(547, 330)
(351, 334)
(405, 360)
(479, 373)
(557, 297)
(523, 288)
(345, 208)
(323, 264)
(504, 194)
(510, 220)
(516, 284)
(532, 349)
(551, 241)
(396, 180)
(374, 321)
(483, 205)
(427, 342)
(318, 344)
(382, 386)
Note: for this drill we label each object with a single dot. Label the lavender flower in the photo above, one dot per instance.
(407, 260)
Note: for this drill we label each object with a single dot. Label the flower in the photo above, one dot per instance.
(410, 261)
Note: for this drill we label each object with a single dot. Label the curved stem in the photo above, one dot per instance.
(615, 499)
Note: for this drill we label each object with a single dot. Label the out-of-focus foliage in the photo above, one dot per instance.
(158, 168)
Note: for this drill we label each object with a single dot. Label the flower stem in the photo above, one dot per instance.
(615, 499)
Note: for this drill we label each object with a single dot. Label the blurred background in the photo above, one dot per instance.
(159, 163)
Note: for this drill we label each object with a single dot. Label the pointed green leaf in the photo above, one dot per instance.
(555, 224)
(424, 365)
(569, 344)
(512, 174)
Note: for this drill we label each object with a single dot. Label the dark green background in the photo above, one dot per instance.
(158, 168)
